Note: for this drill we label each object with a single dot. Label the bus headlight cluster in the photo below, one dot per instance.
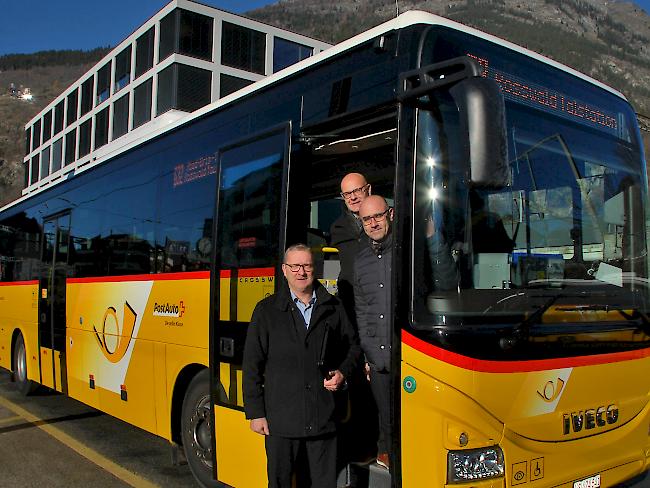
(475, 464)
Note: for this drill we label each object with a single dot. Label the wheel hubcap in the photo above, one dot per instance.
(200, 431)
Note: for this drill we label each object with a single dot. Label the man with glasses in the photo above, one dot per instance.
(347, 234)
(372, 293)
(299, 349)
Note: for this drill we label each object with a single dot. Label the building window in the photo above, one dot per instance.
(165, 98)
(229, 84)
(243, 48)
(70, 145)
(195, 36)
(47, 126)
(103, 83)
(167, 35)
(101, 128)
(185, 32)
(58, 116)
(121, 117)
(142, 103)
(45, 162)
(36, 139)
(144, 52)
(286, 53)
(86, 97)
(123, 69)
(85, 130)
(184, 88)
(26, 174)
(72, 105)
(57, 154)
(28, 141)
(34, 170)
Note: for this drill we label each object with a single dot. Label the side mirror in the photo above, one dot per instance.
(482, 117)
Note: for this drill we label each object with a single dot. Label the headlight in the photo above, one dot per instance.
(475, 464)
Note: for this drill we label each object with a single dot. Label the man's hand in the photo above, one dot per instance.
(366, 369)
(260, 426)
(334, 381)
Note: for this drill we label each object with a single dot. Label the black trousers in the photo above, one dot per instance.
(282, 454)
(380, 386)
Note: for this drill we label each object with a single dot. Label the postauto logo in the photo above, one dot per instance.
(169, 309)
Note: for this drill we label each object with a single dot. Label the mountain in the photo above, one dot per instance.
(46, 74)
(609, 41)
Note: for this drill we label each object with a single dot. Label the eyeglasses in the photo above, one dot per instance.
(296, 267)
(356, 192)
(378, 217)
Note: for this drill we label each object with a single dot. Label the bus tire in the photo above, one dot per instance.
(19, 368)
(196, 430)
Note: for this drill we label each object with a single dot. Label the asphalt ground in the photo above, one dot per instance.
(49, 440)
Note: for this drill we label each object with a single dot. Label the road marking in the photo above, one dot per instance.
(10, 420)
(80, 448)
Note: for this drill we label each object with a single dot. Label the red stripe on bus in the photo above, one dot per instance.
(487, 366)
(19, 283)
(189, 275)
(253, 272)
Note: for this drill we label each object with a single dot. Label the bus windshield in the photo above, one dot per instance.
(563, 247)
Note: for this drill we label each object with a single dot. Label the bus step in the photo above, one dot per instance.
(363, 476)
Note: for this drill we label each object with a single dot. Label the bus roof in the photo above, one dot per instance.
(406, 19)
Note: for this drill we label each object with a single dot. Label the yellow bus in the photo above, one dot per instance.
(129, 286)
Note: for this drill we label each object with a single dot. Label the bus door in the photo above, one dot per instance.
(51, 327)
(249, 227)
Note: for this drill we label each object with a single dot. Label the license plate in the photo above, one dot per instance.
(591, 482)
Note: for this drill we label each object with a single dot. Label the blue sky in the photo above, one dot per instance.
(85, 24)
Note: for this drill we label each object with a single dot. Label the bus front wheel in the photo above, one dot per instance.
(25, 386)
(196, 425)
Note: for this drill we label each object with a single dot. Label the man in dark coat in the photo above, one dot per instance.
(347, 234)
(373, 303)
(299, 349)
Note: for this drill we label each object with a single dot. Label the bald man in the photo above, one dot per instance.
(347, 234)
(373, 305)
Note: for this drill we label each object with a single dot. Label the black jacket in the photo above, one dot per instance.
(282, 380)
(372, 296)
(347, 235)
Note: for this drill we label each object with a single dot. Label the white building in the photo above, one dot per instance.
(183, 58)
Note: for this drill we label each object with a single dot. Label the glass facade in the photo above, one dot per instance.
(122, 69)
(103, 83)
(243, 48)
(45, 162)
(47, 126)
(142, 103)
(72, 102)
(86, 97)
(59, 110)
(101, 128)
(230, 84)
(85, 131)
(185, 32)
(57, 154)
(286, 53)
(70, 146)
(121, 117)
(184, 88)
(144, 47)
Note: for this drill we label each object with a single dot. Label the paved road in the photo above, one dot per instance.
(48, 440)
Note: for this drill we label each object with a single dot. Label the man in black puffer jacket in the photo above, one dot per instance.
(372, 294)
(300, 347)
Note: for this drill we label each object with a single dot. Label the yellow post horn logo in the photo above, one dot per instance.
(122, 337)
